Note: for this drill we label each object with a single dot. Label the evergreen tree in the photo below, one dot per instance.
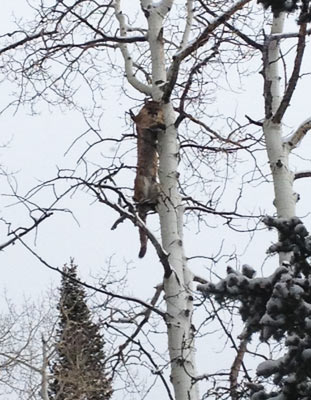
(278, 6)
(78, 371)
(279, 308)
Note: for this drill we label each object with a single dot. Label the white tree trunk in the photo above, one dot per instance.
(178, 285)
(278, 152)
(44, 379)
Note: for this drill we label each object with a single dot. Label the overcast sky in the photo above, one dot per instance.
(34, 146)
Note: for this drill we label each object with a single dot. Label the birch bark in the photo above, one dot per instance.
(44, 380)
(177, 281)
(177, 284)
(278, 153)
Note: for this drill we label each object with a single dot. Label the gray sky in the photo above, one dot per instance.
(35, 145)
(33, 148)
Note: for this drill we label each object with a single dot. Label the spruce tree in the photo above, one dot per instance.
(78, 372)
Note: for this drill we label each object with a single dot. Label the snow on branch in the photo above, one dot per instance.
(287, 7)
(280, 6)
(128, 61)
(299, 134)
(279, 307)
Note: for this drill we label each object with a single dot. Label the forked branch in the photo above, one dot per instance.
(294, 77)
(202, 39)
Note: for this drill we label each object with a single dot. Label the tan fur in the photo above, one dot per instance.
(148, 122)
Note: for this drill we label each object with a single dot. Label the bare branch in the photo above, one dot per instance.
(17, 360)
(294, 77)
(289, 35)
(299, 134)
(233, 29)
(128, 62)
(26, 40)
(302, 174)
(17, 234)
(146, 314)
(104, 39)
(148, 355)
(96, 289)
(252, 121)
(195, 45)
(235, 368)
